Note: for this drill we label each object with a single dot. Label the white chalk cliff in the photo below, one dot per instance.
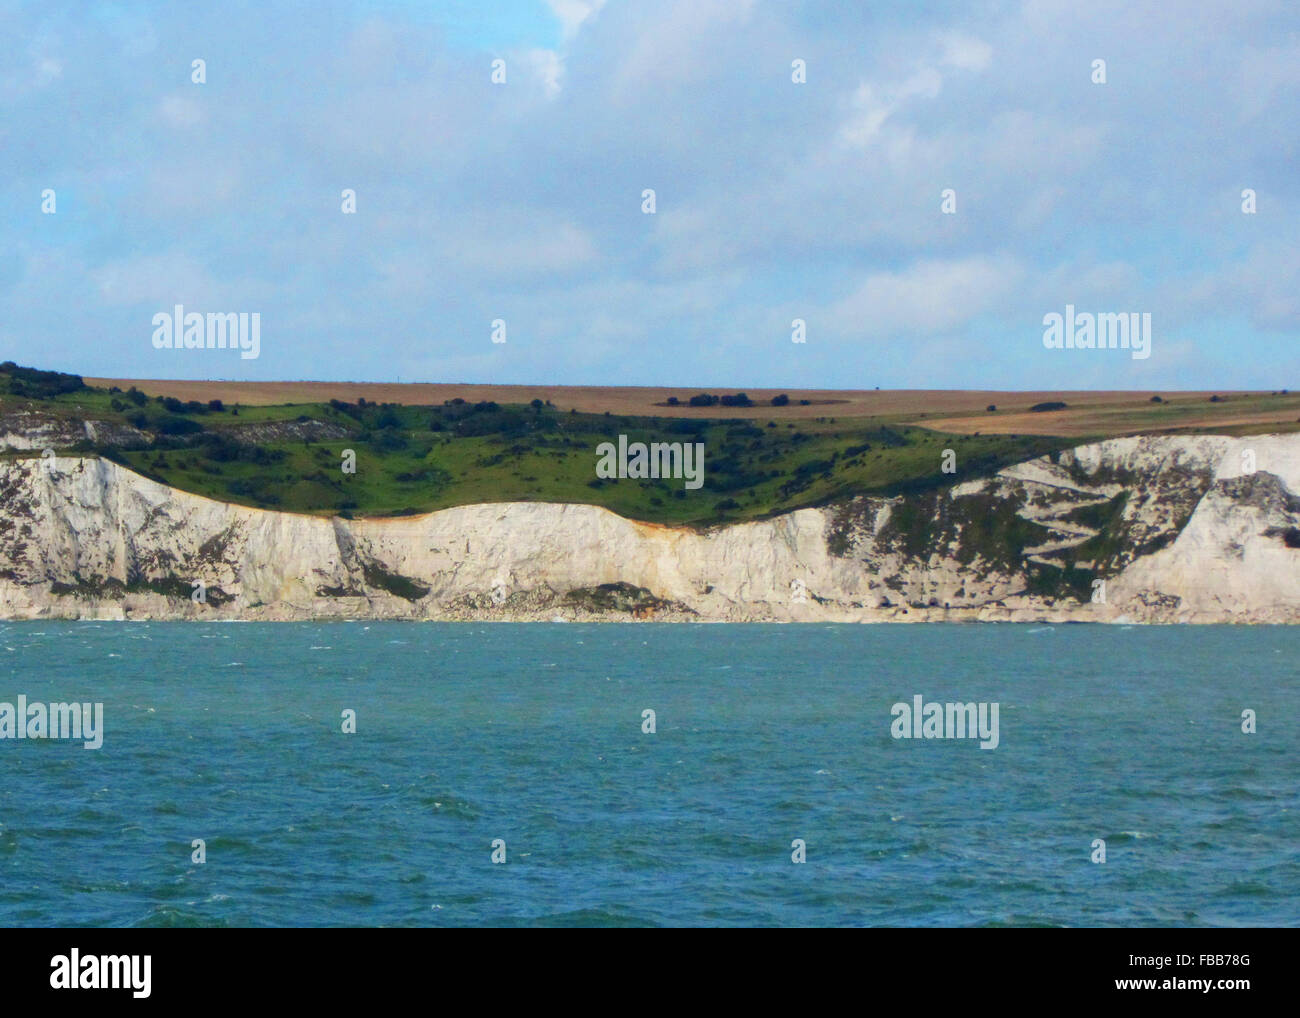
(1143, 529)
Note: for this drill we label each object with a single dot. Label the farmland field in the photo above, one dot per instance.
(961, 411)
(420, 448)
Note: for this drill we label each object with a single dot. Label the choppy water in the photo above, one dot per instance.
(532, 734)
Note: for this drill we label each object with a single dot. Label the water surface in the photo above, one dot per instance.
(468, 733)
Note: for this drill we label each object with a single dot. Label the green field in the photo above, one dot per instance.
(417, 459)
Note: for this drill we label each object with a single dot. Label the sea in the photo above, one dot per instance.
(493, 774)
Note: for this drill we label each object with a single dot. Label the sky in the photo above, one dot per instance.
(775, 199)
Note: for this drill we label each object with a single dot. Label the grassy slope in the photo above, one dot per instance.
(417, 459)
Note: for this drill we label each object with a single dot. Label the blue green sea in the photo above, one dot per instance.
(533, 734)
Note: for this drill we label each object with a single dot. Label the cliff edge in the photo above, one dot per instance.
(1197, 529)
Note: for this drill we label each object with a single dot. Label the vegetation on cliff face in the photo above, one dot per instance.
(1058, 538)
(888, 484)
(411, 459)
(622, 597)
(401, 586)
(32, 383)
(980, 529)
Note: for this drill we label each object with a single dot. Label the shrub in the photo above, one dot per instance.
(220, 448)
(173, 425)
(40, 384)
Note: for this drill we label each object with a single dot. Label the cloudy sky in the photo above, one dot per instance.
(775, 200)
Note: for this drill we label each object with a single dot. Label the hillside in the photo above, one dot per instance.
(1148, 529)
(760, 459)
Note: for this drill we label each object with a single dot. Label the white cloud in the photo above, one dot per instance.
(573, 13)
(160, 280)
(873, 105)
(180, 111)
(548, 67)
(48, 70)
(1263, 286)
(823, 196)
(680, 43)
(965, 53)
(927, 297)
(503, 245)
(1264, 73)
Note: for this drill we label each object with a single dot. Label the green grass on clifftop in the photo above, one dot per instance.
(418, 459)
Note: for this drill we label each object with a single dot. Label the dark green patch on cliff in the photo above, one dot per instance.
(399, 586)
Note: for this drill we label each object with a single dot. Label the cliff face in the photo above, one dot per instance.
(1158, 529)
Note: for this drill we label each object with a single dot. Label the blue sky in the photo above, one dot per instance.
(775, 200)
